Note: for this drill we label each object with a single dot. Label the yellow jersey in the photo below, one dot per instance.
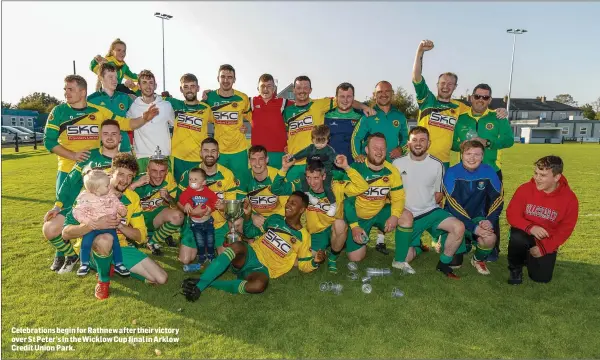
(190, 129)
(228, 114)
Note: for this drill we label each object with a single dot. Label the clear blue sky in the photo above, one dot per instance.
(359, 42)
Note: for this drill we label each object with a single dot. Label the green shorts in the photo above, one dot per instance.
(131, 257)
(251, 265)
(296, 172)
(60, 177)
(275, 159)
(366, 224)
(320, 240)
(237, 163)
(429, 222)
(149, 217)
(187, 237)
(143, 164)
(181, 166)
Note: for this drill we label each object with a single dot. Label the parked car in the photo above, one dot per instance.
(7, 138)
(23, 136)
(39, 136)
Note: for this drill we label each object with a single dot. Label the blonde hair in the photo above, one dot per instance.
(93, 179)
(116, 42)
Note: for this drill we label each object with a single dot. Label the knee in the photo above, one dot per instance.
(176, 218)
(458, 228)
(357, 255)
(102, 244)
(256, 286)
(51, 229)
(340, 227)
(406, 219)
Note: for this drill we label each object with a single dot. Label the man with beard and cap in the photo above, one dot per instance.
(190, 126)
(438, 114)
(422, 175)
(123, 169)
(110, 137)
(380, 206)
(222, 182)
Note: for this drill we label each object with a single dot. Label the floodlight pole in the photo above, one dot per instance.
(163, 17)
(515, 32)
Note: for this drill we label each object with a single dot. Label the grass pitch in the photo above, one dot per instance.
(475, 317)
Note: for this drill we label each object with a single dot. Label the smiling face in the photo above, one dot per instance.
(226, 79)
(472, 157)
(157, 173)
(110, 136)
(345, 98)
(302, 91)
(121, 178)
(109, 80)
(418, 144)
(209, 154)
(258, 162)
(545, 180)
(73, 93)
(119, 51)
(383, 94)
(294, 207)
(190, 90)
(147, 85)
(376, 151)
(480, 101)
(446, 86)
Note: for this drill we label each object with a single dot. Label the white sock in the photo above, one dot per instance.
(380, 238)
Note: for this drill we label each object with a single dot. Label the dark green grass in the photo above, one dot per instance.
(475, 317)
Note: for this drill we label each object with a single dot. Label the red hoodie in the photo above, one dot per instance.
(556, 212)
(268, 127)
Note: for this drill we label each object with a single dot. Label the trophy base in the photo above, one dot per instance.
(231, 238)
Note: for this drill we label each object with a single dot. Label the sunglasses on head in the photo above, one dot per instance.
(484, 97)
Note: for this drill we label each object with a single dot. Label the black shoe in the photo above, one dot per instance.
(170, 242)
(446, 270)
(516, 276)
(382, 249)
(59, 261)
(155, 249)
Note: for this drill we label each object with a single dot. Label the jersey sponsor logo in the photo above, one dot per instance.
(263, 202)
(489, 126)
(320, 207)
(541, 212)
(151, 204)
(82, 132)
(276, 243)
(189, 121)
(480, 185)
(376, 193)
(299, 125)
(226, 117)
(442, 121)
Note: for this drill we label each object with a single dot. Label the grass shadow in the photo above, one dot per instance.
(24, 154)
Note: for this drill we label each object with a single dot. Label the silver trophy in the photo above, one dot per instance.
(233, 210)
(158, 155)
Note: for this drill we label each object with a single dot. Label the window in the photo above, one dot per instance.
(13, 121)
(524, 115)
(30, 122)
(543, 115)
(562, 116)
(291, 95)
(583, 130)
(21, 122)
(565, 130)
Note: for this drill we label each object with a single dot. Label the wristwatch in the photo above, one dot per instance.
(487, 143)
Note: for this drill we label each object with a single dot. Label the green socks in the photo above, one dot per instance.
(102, 266)
(445, 259)
(481, 253)
(231, 286)
(216, 268)
(165, 230)
(402, 238)
(62, 248)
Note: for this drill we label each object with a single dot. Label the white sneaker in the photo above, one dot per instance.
(69, 264)
(332, 210)
(480, 266)
(404, 266)
(311, 199)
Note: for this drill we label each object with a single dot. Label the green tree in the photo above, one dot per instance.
(588, 112)
(40, 102)
(404, 101)
(7, 105)
(565, 99)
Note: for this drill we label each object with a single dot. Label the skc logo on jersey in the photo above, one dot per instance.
(83, 132)
(263, 202)
(321, 207)
(276, 243)
(304, 124)
(189, 122)
(442, 121)
(226, 117)
(151, 204)
(376, 193)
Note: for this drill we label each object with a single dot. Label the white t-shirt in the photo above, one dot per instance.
(155, 132)
(421, 180)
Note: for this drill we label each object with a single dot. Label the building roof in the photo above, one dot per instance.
(19, 112)
(285, 90)
(517, 104)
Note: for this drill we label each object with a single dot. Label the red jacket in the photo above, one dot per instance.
(556, 212)
(268, 127)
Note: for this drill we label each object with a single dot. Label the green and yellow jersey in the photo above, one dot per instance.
(123, 70)
(385, 186)
(150, 200)
(279, 246)
(300, 120)
(261, 197)
(439, 118)
(77, 129)
(317, 219)
(222, 183)
(229, 113)
(73, 184)
(118, 103)
(134, 219)
(190, 129)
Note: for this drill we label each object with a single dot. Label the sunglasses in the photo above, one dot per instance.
(484, 97)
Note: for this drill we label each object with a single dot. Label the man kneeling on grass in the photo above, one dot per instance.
(281, 243)
(542, 215)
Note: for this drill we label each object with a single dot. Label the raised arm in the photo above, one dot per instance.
(417, 74)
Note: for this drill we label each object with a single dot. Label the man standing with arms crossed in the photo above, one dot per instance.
(422, 176)
(268, 128)
(72, 128)
(230, 107)
(190, 126)
(481, 124)
(325, 230)
(301, 117)
(438, 114)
